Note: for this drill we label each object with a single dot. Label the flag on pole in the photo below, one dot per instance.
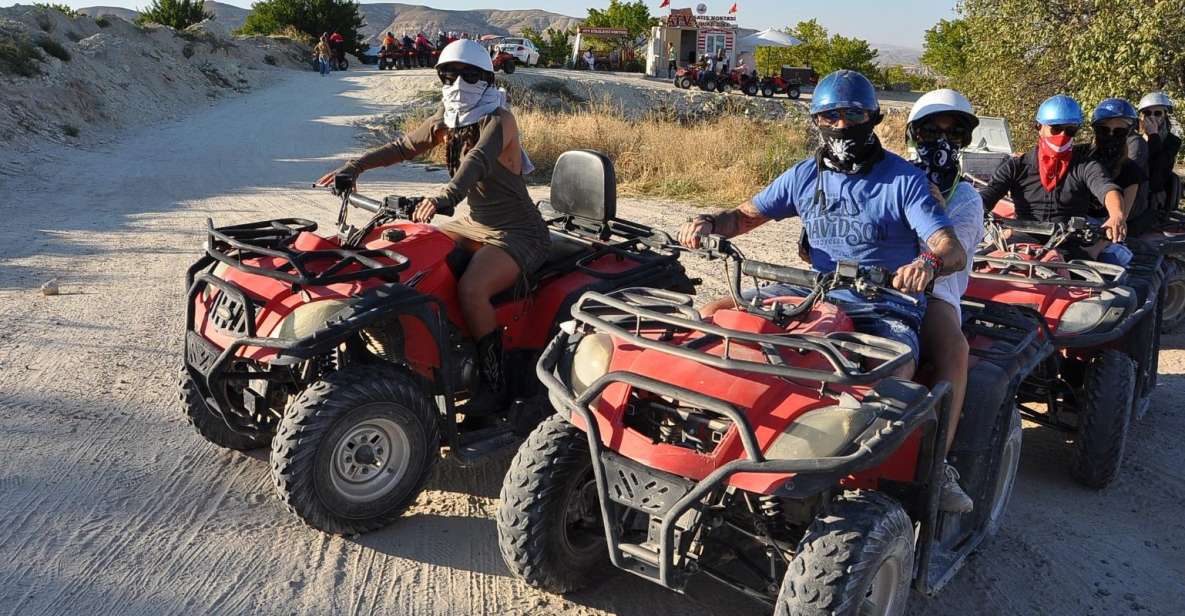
(665, 4)
(731, 11)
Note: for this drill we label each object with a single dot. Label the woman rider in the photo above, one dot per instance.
(1113, 121)
(939, 127)
(504, 230)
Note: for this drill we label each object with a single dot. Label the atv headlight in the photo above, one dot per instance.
(308, 318)
(821, 433)
(590, 361)
(1088, 314)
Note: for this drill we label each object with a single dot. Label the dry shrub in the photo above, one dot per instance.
(719, 160)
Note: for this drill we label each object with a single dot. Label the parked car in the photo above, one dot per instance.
(523, 50)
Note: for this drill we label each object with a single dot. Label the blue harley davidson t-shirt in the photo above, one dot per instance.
(875, 218)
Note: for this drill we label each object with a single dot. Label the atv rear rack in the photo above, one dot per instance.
(896, 421)
(1082, 274)
(273, 239)
(613, 314)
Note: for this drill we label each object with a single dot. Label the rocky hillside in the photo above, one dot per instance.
(390, 17)
(73, 80)
(229, 15)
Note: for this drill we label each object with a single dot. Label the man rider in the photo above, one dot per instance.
(1163, 147)
(859, 203)
(1113, 122)
(1054, 182)
(337, 44)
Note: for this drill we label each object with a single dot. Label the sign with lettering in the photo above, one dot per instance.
(603, 31)
(681, 18)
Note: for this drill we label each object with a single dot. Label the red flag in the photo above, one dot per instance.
(733, 10)
(665, 4)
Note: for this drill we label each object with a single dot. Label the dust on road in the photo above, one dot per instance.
(112, 505)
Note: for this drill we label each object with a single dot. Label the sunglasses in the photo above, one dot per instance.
(930, 132)
(1068, 129)
(1156, 114)
(471, 74)
(1103, 131)
(852, 116)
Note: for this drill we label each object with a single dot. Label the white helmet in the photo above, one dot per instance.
(468, 52)
(1155, 99)
(943, 101)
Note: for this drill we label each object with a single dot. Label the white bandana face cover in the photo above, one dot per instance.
(466, 103)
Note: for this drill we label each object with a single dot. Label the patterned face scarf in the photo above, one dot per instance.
(940, 160)
(852, 149)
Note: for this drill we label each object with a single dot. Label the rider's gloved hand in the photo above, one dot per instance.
(690, 232)
(1116, 228)
(424, 211)
(350, 168)
(913, 278)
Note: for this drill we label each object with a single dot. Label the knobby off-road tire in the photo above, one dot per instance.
(767, 91)
(1142, 344)
(683, 82)
(550, 473)
(1174, 295)
(1104, 417)
(793, 93)
(209, 424)
(867, 537)
(354, 450)
(1005, 476)
(508, 67)
(750, 89)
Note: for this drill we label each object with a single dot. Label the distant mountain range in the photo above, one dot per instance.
(891, 55)
(391, 17)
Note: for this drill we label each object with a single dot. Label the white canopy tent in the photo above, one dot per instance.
(766, 38)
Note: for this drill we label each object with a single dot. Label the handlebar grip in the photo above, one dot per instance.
(1024, 226)
(780, 273)
(365, 203)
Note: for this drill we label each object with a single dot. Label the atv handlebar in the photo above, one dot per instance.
(780, 273)
(1082, 229)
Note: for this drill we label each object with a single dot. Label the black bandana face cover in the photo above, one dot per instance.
(1110, 148)
(940, 160)
(849, 149)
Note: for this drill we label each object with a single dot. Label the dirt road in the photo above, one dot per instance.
(110, 504)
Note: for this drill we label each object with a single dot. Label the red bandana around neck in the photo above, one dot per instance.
(1053, 159)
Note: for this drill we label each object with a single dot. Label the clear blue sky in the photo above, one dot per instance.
(893, 22)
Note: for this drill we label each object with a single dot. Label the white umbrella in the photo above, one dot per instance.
(767, 38)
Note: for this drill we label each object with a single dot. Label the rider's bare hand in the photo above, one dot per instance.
(913, 278)
(690, 232)
(1115, 228)
(424, 211)
(328, 179)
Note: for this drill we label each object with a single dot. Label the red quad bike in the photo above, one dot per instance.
(504, 62)
(686, 76)
(348, 353)
(1104, 322)
(766, 447)
(389, 58)
(789, 82)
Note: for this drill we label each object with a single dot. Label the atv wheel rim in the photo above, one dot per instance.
(370, 460)
(1009, 459)
(1174, 299)
(582, 526)
(882, 593)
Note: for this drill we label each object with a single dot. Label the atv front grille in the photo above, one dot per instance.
(229, 315)
(638, 487)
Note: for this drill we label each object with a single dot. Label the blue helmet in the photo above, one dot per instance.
(1059, 109)
(1113, 108)
(844, 89)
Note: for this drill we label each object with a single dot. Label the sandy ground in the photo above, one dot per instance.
(112, 505)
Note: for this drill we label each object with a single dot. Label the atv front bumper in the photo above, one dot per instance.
(668, 498)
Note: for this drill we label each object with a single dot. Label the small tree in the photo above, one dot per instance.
(633, 16)
(312, 17)
(555, 46)
(945, 48)
(176, 14)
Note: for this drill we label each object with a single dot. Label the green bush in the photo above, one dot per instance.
(70, 130)
(177, 14)
(19, 57)
(54, 49)
(102, 21)
(61, 8)
(310, 17)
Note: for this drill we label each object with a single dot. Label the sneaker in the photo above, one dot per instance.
(953, 498)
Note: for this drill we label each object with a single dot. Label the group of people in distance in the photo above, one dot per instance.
(420, 46)
(857, 202)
